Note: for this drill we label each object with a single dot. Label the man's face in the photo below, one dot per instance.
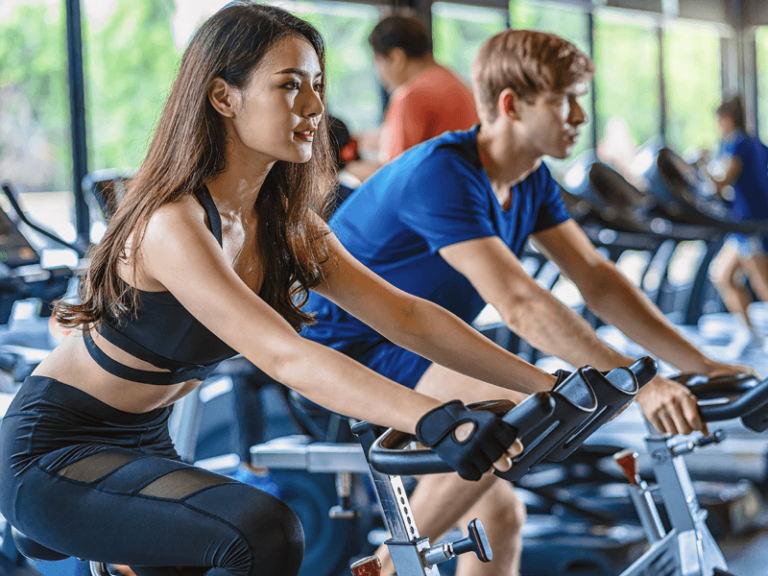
(552, 122)
(387, 68)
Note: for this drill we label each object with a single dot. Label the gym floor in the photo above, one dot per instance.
(748, 555)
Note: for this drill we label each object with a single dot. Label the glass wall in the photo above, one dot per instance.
(353, 92)
(627, 83)
(458, 31)
(570, 22)
(133, 50)
(35, 141)
(35, 150)
(761, 38)
(130, 59)
(692, 82)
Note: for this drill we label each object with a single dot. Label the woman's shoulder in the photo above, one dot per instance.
(183, 216)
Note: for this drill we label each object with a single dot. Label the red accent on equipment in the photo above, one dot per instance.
(627, 459)
(370, 566)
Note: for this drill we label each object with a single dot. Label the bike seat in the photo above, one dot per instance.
(34, 550)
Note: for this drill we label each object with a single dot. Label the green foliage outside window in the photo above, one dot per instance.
(627, 81)
(352, 88)
(35, 149)
(458, 32)
(761, 38)
(692, 81)
(130, 62)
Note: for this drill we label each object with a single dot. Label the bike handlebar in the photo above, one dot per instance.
(549, 424)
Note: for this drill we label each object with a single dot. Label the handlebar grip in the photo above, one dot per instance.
(613, 391)
(387, 457)
(750, 403)
(554, 422)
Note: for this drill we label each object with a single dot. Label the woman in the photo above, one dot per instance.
(212, 253)
(743, 167)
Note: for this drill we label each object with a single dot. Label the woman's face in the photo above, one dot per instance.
(278, 111)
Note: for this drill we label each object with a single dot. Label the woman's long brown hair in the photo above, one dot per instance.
(188, 149)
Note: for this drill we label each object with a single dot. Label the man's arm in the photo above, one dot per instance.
(533, 313)
(618, 302)
(529, 310)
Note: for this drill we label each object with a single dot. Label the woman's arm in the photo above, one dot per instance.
(424, 327)
(180, 253)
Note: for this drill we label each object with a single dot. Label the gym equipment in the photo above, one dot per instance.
(687, 548)
(550, 424)
(34, 551)
(553, 423)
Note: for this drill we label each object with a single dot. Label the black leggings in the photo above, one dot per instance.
(93, 482)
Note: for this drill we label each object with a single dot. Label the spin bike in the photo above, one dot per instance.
(549, 426)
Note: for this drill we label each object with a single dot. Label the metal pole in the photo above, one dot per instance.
(591, 36)
(662, 84)
(77, 115)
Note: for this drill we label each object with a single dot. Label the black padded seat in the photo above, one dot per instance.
(34, 550)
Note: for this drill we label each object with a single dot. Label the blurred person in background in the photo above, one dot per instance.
(742, 178)
(426, 98)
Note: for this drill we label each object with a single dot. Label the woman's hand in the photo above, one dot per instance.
(504, 463)
(470, 441)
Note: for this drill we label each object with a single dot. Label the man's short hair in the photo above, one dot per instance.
(399, 31)
(529, 63)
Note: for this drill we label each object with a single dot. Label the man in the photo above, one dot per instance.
(426, 98)
(448, 220)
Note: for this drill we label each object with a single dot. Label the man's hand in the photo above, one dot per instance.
(670, 407)
(722, 369)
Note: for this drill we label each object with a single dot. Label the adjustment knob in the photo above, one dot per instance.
(627, 459)
(715, 438)
(476, 541)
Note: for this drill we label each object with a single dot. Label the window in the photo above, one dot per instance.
(353, 92)
(627, 81)
(761, 39)
(567, 21)
(35, 141)
(692, 82)
(133, 50)
(458, 31)
(130, 60)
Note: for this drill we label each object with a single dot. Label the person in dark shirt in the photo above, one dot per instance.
(743, 163)
(448, 220)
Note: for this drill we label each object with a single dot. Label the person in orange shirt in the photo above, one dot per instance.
(426, 98)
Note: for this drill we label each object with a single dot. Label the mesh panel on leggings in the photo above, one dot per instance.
(180, 483)
(94, 467)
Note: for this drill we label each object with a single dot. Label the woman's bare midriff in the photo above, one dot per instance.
(71, 364)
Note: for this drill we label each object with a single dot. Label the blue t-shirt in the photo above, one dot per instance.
(751, 187)
(434, 195)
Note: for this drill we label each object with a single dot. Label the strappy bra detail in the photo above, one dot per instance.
(164, 333)
(173, 376)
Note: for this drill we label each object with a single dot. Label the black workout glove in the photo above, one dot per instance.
(471, 458)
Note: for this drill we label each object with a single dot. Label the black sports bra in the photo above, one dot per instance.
(164, 333)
